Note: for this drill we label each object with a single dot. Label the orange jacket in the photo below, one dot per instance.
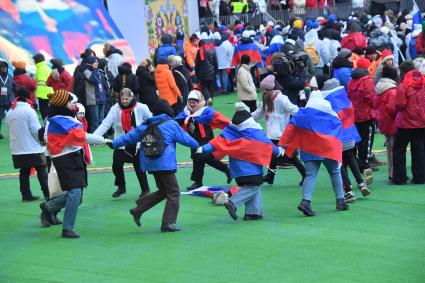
(190, 51)
(166, 84)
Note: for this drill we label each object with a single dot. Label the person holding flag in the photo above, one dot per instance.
(199, 121)
(317, 131)
(66, 138)
(249, 150)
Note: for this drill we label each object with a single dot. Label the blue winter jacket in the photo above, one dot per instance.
(163, 52)
(343, 75)
(171, 132)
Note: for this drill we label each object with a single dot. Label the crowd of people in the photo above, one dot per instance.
(327, 86)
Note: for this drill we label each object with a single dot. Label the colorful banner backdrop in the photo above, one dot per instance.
(163, 16)
(56, 28)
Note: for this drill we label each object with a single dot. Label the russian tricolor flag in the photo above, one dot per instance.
(250, 49)
(315, 129)
(206, 191)
(416, 14)
(275, 46)
(64, 131)
(245, 142)
(206, 116)
(342, 105)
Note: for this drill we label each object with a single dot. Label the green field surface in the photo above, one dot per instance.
(380, 239)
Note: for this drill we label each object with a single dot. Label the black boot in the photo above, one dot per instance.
(229, 178)
(70, 234)
(305, 208)
(46, 218)
(120, 191)
(195, 185)
(341, 205)
(269, 178)
(29, 197)
(136, 216)
(231, 208)
(173, 227)
(45, 194)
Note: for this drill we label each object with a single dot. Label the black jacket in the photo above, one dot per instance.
(183, 81)
(126, 79)
(206, 69)
(147, 93)
(71, 170)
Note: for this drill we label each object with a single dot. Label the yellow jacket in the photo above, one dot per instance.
(42, 73)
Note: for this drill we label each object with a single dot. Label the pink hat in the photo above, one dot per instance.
(268, 83)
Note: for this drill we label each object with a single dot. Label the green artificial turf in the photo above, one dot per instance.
(380, 239)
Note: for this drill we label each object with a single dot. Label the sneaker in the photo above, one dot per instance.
(305, 208)
(373, 161)
(29, 198)
(136, 216)
(349, 197)
(70, 234)
(363, 189)
(368, 176)
(341, 205)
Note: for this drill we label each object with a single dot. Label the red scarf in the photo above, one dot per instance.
(26, 100)
(203, 49)
(126, 118)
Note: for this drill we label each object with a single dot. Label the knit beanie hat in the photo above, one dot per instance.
(38, 58)
(386, 53)
(59, 97)
(331, 18)
(19, 64)
(363, 63)
(390, 72)
(298, 24)
(344, 53)
(268, 83)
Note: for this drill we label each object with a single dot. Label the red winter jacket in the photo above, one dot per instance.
(384, 103)
(353, 40)
(23, 80)
(410, 101)
(63, 82)
(420, 44)
(361, 91)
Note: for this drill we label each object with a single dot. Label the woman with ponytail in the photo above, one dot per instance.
(277, 110)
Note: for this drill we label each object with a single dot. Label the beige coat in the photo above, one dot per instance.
(245, 84)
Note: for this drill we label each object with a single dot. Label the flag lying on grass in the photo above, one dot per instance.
(206, 191)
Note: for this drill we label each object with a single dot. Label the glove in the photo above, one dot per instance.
(199, 150)
(281, 152)
(108, 142)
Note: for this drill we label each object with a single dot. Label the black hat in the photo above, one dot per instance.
(245, 59)
(370, 50)
(161, 106)
(38, 58)
(390, 72)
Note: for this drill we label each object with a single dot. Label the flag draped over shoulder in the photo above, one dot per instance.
(315, 129)
(206, 116)
(275, 46)
(250, 49)
(342, 105)
(246, 141)
(64, 131)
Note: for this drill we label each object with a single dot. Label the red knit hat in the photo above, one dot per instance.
(363, 63)
(386, 53)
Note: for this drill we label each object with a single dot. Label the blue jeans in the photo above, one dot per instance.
(93, 116)
(312, 168)
(252, 198)
(224, 80)
(71, 202)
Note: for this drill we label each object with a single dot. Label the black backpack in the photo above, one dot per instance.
(152, 142)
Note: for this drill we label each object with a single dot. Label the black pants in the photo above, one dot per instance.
(252, 104)
(43, 104)
(208, 89)
(168, 188)
(177, 108)
(366, 131)
(294, 160)
(120, 157)
(349, 160)
(199, 166)
(24, 181)
(416, 138)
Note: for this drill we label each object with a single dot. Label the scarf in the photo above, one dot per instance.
(126, 117)
(21, 99)
(204, 48)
